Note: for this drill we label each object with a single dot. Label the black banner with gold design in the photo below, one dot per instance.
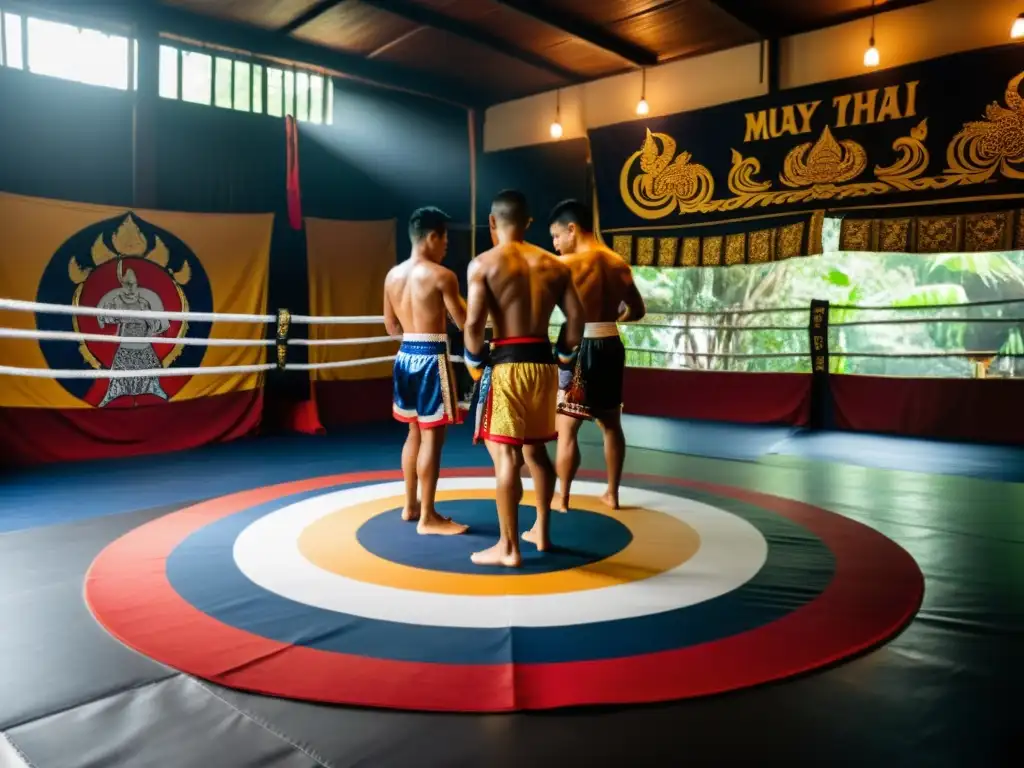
(750, 181)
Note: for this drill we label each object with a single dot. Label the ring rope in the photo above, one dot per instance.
(338, 320)
(340, 364)
(895, 355)
(136, 314)
(341, 342)
(17, 333)
(102, 373)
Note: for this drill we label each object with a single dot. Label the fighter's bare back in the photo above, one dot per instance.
(523, 285)
(419, 294)
(604, 283)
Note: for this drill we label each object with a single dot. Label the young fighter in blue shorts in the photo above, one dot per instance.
(418, 294)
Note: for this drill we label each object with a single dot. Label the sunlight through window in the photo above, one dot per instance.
(196, 77)
(168, 72)
(82, 55)
(14, 57)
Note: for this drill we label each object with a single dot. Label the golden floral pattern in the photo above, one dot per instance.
(938, 234)
(761, 246)
(894, 235)
(711, 252)
(826, 169)
(691, 252)
(644, 251)
(986, 232)
(623, 245)
(791, 239)
(735, 249)
(668, 249)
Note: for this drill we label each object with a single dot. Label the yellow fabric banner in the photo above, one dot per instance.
(348, 261)
(57, 252)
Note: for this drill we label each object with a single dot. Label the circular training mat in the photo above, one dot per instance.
(318, 590)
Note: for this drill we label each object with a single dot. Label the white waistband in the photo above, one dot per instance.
(600, 330)
(430, 337)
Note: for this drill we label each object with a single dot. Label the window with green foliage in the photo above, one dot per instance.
(941, 313)
(244, 84)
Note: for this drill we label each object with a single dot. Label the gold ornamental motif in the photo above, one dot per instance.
(824, 162)
(826, 169)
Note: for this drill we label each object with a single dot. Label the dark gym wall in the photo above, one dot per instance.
(545, 173)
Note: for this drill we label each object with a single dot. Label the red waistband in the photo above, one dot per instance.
(520, 340)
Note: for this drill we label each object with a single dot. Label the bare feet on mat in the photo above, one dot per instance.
(534, 537)
(411, 514)
(560, 503)
(611, 499)
(499, 554)
(436, 525)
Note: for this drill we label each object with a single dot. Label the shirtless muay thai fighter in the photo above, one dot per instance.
(518, 285)
(418, 294)
(605, 286)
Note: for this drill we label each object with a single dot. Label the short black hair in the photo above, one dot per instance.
(510, 207)
(572, 212)
(426, 220)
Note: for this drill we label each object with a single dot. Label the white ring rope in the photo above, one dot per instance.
(49, 373)
(136, 314)
(342, 342)
(102, 338)
(341, 364)
(102, 373)
(353, 320)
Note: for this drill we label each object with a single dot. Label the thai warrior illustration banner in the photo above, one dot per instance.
(73, 254)
(758, 175)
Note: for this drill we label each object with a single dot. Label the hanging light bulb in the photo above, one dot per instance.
(556, 127)
(642, 107)
(871, 58)
(1017, 30)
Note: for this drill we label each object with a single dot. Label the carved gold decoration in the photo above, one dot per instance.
(668, 249)
(761, 250)
(985, 232)
(691, 252)
(791, 240)
(824, 162)
(711, 251)
(827, 168)
(735, 249)
(644, 251)
(668, 181)
(995, 143)
(938, 234)
(855, 235)
(623, 245)
(894, 235)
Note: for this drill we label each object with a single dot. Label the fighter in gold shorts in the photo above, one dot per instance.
(518, 400)
(518, 285)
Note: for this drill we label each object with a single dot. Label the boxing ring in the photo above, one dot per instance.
(280, 571)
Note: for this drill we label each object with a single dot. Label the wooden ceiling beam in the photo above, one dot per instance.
(309, 15)
(584, 30)
(424, 16)
(768, 24)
